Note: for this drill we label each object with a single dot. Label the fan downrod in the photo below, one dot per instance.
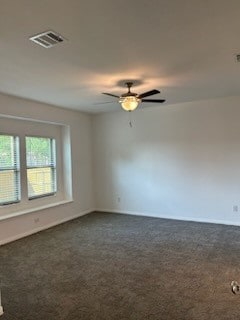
(129, 85)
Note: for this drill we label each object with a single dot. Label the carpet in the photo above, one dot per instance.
(109, 266)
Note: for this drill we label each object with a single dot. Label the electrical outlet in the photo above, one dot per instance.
(36, 220)
(235, 208)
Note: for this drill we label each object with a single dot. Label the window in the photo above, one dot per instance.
(35, 166)
(9, 170)
(41, 166)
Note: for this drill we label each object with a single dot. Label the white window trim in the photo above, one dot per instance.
(27, 211)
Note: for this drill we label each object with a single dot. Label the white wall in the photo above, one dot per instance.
(180, 161)
(81, 139)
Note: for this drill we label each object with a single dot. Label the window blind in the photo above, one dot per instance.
(9, 169)
(41, 166)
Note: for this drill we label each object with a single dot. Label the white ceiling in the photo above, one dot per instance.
(184, 48)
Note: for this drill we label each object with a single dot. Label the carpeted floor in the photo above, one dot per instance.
(109, 266)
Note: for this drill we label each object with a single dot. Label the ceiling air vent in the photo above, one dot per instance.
(238, 57)
(47, 39)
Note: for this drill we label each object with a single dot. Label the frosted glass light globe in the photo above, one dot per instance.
(129, 103)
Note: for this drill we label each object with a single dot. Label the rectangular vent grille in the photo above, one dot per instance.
(47, 39)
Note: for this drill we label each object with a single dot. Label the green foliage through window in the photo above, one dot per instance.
(41, 168)
(9, 170)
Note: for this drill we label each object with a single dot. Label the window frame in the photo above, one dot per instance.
(53, 167)
(16, 169)
(61, 132)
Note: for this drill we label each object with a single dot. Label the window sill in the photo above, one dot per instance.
(31, 210)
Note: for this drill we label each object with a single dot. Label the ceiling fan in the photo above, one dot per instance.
(130, 100)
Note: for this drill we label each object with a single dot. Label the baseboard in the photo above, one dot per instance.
(145, 214)
(47, 226)
(161, 216)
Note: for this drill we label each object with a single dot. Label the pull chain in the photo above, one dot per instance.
(130, 119)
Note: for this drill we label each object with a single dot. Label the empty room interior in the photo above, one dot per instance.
(119, 160)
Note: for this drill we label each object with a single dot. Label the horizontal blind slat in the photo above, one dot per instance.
(9, 170)
(41, 166)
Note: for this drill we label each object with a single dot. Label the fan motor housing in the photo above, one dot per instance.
(129, 94)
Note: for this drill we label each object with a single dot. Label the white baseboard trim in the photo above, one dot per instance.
(44, 227)
(161, 216)
(145, 214)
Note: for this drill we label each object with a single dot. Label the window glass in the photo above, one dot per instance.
(9, 170)
(41, 166)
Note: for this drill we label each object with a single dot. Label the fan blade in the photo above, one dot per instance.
(148, 93)
(153, 100)
(97, 103)
(109, 94)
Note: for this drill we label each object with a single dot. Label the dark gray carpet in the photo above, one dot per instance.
(109, 266)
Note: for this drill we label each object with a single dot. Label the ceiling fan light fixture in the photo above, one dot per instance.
(129, 103)
(130, 100)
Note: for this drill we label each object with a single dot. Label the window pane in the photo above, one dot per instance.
(8, 186)
(41, 181)
(9, 172)
(7, 152)
(41, 168)
(39, 152)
